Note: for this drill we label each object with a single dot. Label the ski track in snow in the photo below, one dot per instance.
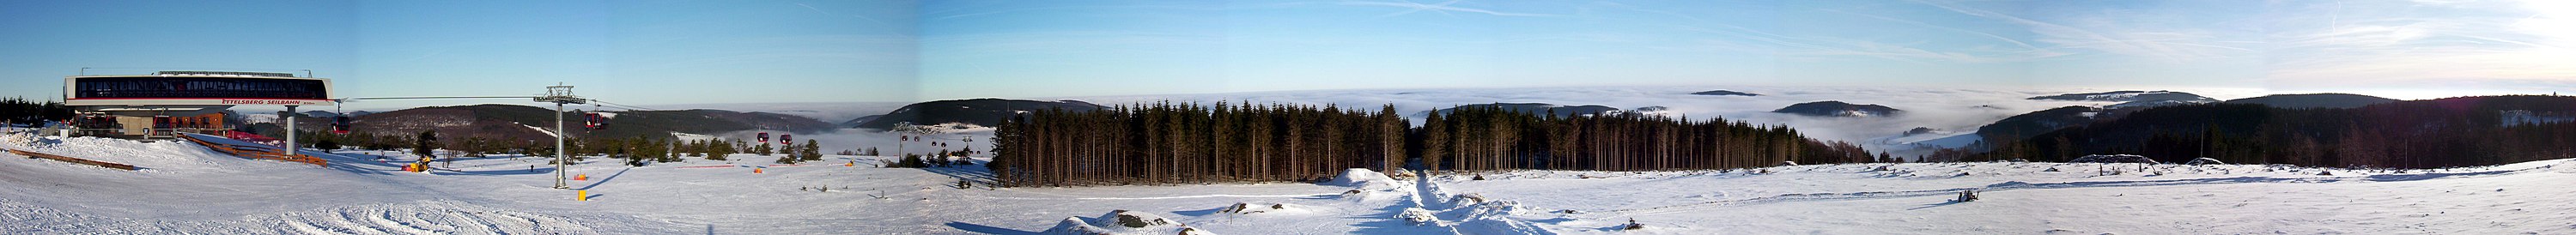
(1172, 197)
(2018, 185)
(431, 217)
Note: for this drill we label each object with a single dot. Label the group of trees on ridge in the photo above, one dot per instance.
(1165, 143)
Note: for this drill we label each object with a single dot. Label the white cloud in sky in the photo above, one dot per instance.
(2490, 44)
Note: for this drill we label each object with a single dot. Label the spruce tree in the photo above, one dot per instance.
(426, 144)
(911, 161)
(718, 149)
(813, 151)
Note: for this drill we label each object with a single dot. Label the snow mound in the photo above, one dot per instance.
(153, 157)
(2114, 158)
(1477, 215)
(1464, 200)
(1122, 222)
(1465, 213)
(2203, 161)
(1498, 226)
(1420, 217)
(1360, 177)
(1402, 175)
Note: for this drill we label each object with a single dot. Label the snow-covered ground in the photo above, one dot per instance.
(184, 189)
(2031, 198)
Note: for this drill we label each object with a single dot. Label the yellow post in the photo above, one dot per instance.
(581, 195)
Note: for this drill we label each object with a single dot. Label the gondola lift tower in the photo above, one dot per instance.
(560, 95)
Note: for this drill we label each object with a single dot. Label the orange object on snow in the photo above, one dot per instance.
(755, 170)
(583, 177)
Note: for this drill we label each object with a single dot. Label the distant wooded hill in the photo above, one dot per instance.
(2464, 131)
(1838, 109)
(514, 122)
(981, 112)
(2323, 100)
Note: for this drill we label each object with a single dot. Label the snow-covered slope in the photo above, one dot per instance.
(184, 189)
(2047, 198)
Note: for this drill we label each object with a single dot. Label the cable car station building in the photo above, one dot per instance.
(163, 104)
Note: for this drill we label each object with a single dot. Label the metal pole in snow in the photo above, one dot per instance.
(290, 131)
(560, 157)
(561, 94)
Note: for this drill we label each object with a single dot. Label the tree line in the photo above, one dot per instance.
(1479, 139)
(1168, 143)
(2451, 132)
(1184, 143)
(21, 110)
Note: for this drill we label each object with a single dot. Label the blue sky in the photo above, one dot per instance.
(673, 52)
(629, 52)
(2413, 49)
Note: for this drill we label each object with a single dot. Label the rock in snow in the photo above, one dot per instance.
(1256, 208)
